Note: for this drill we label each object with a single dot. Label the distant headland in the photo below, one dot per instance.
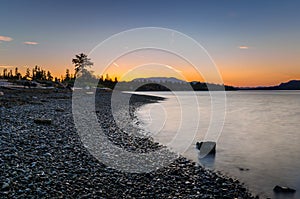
(171, 83)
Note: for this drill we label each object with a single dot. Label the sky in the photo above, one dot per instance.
(252, 43)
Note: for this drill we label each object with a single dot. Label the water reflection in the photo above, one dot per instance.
(208, 161)
(284, 196)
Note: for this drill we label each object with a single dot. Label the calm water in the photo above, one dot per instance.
(261, 133)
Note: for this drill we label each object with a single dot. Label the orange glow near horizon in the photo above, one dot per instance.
(151, 63)
(231, 76)
(236, 71)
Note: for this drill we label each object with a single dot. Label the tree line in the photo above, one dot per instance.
(81, 64)
(37, 73)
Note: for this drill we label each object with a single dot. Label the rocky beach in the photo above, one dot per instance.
(42, 155)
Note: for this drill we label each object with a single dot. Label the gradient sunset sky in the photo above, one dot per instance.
(253, 42)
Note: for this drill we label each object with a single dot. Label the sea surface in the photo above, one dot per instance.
(258, 143)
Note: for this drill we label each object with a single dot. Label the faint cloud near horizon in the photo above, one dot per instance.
(5, 38)
(172, 68)
(31, 43)
(115, 64)
(244, 47)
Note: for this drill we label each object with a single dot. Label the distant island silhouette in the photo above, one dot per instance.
(174, 84)
(290, 85)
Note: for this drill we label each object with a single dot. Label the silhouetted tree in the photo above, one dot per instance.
(17, 75)
(81, 63)
(27, 75)
(5, 73)
(101, 78)
(39, 74)
(67, 77)
(49, 76)
(10, 74)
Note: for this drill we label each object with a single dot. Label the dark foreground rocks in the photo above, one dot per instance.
(42, 121)
(50, 161)
(281, 189)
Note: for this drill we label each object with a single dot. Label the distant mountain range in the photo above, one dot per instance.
(172, 83)
(159, 80)
(290, 85)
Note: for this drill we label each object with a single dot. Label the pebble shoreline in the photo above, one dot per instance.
(49, 160)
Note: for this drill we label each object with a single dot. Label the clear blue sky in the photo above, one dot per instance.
(269, 28)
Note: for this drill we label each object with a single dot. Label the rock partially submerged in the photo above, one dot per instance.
(243, 169)
(206, 148)
(281, 189)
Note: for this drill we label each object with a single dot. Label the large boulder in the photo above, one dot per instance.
(280, 189)
(206, 148)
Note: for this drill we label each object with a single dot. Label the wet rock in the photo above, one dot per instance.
(60, 110)
(42, 121)
(5, 186)
(243, 169)
(206, 148)
(281, 189)
(40, 192)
